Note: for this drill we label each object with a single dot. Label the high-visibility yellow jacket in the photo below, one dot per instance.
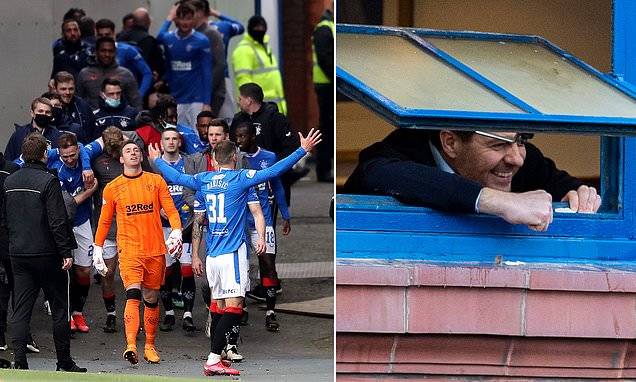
(319, 75)
(254, 62)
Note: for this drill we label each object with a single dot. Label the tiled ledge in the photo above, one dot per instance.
(366, 357)
(534, 277)
(551, 301)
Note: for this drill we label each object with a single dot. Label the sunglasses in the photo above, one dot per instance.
(520, 138)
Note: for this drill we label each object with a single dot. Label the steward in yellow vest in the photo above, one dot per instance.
(254, 61)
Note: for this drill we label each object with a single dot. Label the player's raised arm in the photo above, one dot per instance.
(306, 144)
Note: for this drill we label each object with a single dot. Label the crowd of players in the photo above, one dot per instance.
(116, 112)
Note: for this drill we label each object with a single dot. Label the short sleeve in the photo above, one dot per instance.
(199, 202)
(252, 197)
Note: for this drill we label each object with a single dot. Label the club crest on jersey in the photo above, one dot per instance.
(150, 187)
(250, 173)
(263, 164)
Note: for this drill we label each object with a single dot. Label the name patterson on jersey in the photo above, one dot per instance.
(139, 208)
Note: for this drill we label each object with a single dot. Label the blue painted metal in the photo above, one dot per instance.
(503, 93)
(379, 227)
(530, 121)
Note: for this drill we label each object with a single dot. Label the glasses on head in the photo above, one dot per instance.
(520, 138)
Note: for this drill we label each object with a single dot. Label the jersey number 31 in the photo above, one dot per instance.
(216, 207)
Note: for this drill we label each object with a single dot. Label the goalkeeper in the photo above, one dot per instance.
(137, 198)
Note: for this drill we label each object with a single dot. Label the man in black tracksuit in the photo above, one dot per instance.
(40, 245)
(273, 132)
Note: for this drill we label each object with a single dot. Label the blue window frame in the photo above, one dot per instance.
(381, 227)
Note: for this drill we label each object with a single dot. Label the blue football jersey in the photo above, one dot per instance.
(225, 194)
(176, 191)
(72, 181)
(262, 159)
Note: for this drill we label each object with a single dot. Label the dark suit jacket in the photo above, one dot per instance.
(402, 166)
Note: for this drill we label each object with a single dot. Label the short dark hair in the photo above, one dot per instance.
(127, 16)
(51, 96)
(205, 114)
(185, 9)
(121, 149)
(67, 140)
(253, 91)
(160, 110)
(220, 122)
(251, 128)
(173, 129)
(62, 77)
(41, 100)
(74, 14)
(201, 5)
(87, 26)
(33, 147)
(462, 134)
(223, 151)
(110, 81)
(105, 23)
(103, 40)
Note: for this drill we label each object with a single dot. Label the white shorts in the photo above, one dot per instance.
(227, 274)
(110, 249)
(83, 255)
(187, 114)
(186, 254)
(270, 239)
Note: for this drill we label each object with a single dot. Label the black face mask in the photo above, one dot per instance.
(258, 35)
(42, 120)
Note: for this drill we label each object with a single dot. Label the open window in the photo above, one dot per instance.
(429, 79)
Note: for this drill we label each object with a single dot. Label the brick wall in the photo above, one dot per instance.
(299, 18)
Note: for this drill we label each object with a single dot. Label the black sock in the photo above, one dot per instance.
(188, 288)
(270, 298)
(216, 317)
(109, 302)
(228, 324)
(166, 297)
(83, 296)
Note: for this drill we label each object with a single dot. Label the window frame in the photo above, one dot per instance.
(380, 227)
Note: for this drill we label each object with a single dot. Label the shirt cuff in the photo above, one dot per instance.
(477, 201)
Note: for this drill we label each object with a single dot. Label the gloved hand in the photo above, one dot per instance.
(98, 260)
(174, 244)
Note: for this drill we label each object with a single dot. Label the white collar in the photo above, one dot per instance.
(439, 160)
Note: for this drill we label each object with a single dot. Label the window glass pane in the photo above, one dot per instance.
(539, 77)
(408, 76)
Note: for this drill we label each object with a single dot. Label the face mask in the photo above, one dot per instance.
(112, 102)
(258, 35)
(42, 120)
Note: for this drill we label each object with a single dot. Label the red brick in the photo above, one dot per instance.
(580, 314)
(464, 310)
(568, 279)
(363, 348)
(370, 309)
(451, 349)
(373, 275)
(432, 275)
(362, 368)
(567, 353)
